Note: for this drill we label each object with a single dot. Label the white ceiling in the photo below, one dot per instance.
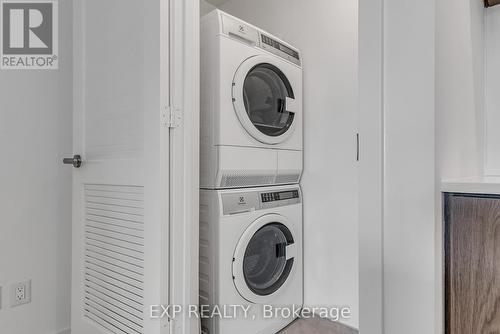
(217, 3)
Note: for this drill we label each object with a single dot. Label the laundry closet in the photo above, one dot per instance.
(336, 120)
(306, 153)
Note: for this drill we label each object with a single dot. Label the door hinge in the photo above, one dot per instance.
(171, 117)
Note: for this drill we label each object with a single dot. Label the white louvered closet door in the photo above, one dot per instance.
(120, 193)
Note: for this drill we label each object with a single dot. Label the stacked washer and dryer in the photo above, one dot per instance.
(251, 164)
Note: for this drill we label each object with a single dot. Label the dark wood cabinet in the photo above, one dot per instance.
(472, 264)
(490, 3)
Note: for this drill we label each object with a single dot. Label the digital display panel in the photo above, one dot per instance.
(279, 196)
(289, 51)
(286, 195)
(285, 49)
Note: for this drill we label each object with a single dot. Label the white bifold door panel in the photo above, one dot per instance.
(121, 248)
(120, 194)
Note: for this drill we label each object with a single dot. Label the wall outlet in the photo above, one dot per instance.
(20, 293)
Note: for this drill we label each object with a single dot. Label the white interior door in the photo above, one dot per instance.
(121, 191)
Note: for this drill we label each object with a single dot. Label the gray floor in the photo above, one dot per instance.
(317, 326)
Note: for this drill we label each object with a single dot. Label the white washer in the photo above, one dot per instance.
(251, 106)
(251, 255)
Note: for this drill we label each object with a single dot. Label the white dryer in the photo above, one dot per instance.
(251, 256)
(251, 106)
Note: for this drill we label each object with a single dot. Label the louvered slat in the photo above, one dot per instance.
(114, 257)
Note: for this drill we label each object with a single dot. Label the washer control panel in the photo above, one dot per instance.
(279, 196)
(240, 202)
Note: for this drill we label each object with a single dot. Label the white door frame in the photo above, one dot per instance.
(184, 94)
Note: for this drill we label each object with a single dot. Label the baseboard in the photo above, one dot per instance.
(65, 331)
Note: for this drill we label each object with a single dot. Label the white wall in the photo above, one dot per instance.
(205, 7)
(326, 33)
(459, 88)
(409, 167)
(35, 234)
(492, 32)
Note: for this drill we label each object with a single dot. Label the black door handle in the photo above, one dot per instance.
(76, 161)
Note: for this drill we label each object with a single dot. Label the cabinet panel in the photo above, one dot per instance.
(472, 242)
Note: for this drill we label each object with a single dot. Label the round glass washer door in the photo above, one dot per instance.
(264, 100)
(264, 259)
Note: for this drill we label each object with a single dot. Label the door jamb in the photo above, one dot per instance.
(184, 162)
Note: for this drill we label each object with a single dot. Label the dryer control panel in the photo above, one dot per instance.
(279, 49)
(248, 34)
(240, 202)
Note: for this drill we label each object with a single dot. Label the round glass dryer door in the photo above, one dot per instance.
(264, 101)
(265, 93)
(264, 261)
